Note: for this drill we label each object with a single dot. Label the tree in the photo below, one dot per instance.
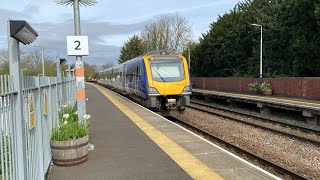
(105, 66)
(31, 63)
(90, 70)
(192, 46)
(134, 47)
(4, 61)
(168, 32)
(291, 41)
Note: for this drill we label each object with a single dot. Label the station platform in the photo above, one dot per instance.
(132, 142)
(304, 104)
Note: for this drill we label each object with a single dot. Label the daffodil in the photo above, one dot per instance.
(86, 116)
(65, 122)
(66, 116)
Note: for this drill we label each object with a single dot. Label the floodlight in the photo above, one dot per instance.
(82, 2)
(256, 25)
(22, 32)
(63, 61)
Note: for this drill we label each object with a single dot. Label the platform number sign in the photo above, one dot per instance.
(77, 45)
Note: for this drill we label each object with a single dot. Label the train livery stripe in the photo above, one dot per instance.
(259, 97)
(190, 164)
(81, 94)
(79, 72)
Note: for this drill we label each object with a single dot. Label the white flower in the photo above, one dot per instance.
(66, 116)
(76, 113)
(65, 122)
(86, 116)
(64, 106)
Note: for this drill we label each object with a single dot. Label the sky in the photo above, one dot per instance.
(108, 24)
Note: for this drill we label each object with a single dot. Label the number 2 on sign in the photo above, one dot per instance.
(77, 48)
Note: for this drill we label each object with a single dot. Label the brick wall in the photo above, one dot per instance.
(308, 88)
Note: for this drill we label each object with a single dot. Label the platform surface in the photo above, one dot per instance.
(286, 101)
(132, 142)
(122, 150)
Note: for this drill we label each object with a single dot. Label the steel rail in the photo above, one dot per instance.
(295, 125)
(278, 168)
(257, 125)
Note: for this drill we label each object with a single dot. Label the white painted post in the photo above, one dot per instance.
(38, 129)
(79, 67)
(19, 145)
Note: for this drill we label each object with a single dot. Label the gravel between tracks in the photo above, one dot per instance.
(301, 157)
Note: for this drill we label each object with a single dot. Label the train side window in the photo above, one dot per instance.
(140, 70)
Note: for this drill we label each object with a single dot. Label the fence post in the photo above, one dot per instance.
(39, 133)
(57, 103)
(18, 125)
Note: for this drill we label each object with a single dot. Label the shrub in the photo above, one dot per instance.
(69, 126)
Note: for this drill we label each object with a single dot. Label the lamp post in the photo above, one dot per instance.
(20, 32)
(189, 57)
(80, 94)
(258, 25)
(42, 58)
(188, 48)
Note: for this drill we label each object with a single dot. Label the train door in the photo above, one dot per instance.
(135, 84)
(112, 77)
(125, 79)
(137, 77)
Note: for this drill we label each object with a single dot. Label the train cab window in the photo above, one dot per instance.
(167, 70)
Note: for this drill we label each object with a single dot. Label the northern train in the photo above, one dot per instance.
(158, 80)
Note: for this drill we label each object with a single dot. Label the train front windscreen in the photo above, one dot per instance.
(167, 69)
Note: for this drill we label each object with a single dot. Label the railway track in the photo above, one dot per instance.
(286, 173)
(296, 132)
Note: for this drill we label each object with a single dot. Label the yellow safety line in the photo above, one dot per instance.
(195, 168)
(259, 97)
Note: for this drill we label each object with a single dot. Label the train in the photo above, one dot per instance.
(159, 80)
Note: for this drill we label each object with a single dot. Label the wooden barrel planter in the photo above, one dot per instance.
(267, 92)
(70, 153)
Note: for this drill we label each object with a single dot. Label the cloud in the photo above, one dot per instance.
(108, 25)
(52, 35)
(187, 9)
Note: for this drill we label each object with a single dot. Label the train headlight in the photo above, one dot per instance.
(153, 91)
(187, 89)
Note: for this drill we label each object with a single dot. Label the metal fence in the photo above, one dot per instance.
(42, 99)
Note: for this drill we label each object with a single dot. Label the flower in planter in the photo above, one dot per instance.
(265, 86)
(69, 128)
(254, 87)
(71, 132)
(86, 116)
(66, 116)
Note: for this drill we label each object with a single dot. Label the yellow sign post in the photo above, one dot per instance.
(31, 112)
(45, 102)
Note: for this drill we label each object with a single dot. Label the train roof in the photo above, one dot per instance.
(154, 52)
(161, 52)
